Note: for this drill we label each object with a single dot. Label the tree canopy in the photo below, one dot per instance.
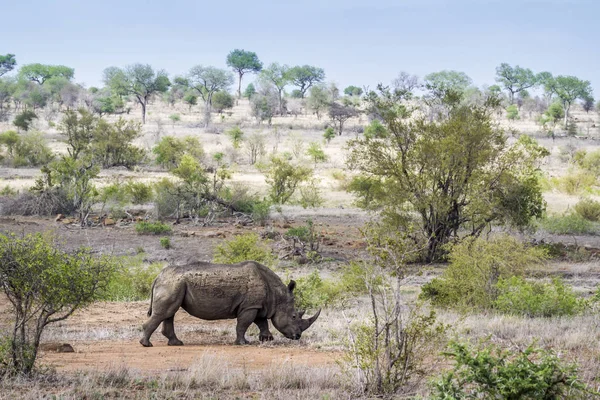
(209, 80)
(7, 63)
(305, 76)
(458, 175)
(568, 89)
(242, 61)
(40, 73)
(277, 75)
(515, 79)
(139, 80)
(439, 83)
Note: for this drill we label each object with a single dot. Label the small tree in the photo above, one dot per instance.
(24, 119)
(45, 285)
(222, 101)
(588, 104)
(250, 91)
(283, 178)
(568, 89)
(242, 61)
(207, 81)
(7, 63)
(170, 150)
(339, 114)
(139, 80)
(191, 100)
(305, 76)
(512, 112)
(316, 153)
(318, 100)
(329, 134)
(515, 79)
(174, 118)
(353, 91)
(255, 147)
(278, 75)
(237, 136)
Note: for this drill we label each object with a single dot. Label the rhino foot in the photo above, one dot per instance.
(265, 338)
(175, 342)
(241, 341)
(145, 342)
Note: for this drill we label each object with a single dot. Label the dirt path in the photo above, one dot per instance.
(103, 355)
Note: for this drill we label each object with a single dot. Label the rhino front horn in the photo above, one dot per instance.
(306, 323)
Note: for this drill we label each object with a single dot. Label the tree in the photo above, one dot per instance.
(45, 285)
(515, 79)
(237, 136)
(588, 104)
(40, 73)
(222, 100)
(568, 89)
(278, 75)
(318, 100)
(406, 83)
(139, 80)
(24, 119)
(111, 145)
(265, 103)
(209, 80)
(242, 61)
(512, 112)
(305, 76)
(7, 63)
(339, 114)
(316, 153)
(456, 174)
(283, 178)
(78, 126)
(545, 80)
(439, 83)
(191, 100)
(250, 91)
(353, 91)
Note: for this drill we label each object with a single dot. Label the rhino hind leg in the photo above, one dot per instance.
(263, 324)
(149, 327)
(168, 330)
(244, 320)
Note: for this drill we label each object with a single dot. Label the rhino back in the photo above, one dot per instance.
(219, 291)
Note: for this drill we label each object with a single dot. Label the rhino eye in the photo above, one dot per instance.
(293, 317)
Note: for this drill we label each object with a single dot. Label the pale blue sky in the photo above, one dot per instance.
(357, 42)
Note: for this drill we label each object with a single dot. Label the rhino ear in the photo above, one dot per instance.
(301, 313)
(292, 285)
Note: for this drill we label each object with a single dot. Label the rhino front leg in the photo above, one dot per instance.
(244, 319)
(263, 325)
(168, 330)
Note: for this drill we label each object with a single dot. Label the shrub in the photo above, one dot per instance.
(111, 144)
(512, 112)
(310, 194)
(573, 184)
(475, 267)
(170, 150)
(316, 153)
(24, 150)
(568, 224)
(152, 228)
(45, 285)
(536, 299)
(588, 161)
(133, 281)
(167, 201)
(329, 134)
(24, 119)
(314, 292)
(138, 192)
(222, 100)
(588, 209)
(174, 118)
(236, 135)
(490, 372)
(283, 178)
(165, 243)
(261, 211)
(246, 247)
(375, 130)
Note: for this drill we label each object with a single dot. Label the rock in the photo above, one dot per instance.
(109, 222)
(67, 221)
(57, 347)
(59, 217)
(213, 234)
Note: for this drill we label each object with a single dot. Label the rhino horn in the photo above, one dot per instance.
(306, 323)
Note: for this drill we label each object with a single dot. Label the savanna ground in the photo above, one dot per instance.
(109, 362)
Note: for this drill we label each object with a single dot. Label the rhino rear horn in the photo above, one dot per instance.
(306, 323)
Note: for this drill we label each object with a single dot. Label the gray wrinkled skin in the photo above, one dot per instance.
(248, 291)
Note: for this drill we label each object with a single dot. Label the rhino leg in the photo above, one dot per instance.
(164, 307)
(168, 330)
(263, 325)
(244, 320)
(149, 327)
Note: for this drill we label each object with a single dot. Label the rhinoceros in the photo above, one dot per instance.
(248, 291)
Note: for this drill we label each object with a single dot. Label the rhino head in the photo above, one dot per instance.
(288, 320)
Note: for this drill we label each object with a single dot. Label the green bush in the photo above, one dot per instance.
(165, 242)
(588, 209)
(512, 112)
(573, 184)
(139, 192)
(24, 119)
(29, 149)
(376, 130)
(490, 372)
(588, 161)
(246, 247)
(537, 299)
(569, 224)
(329, 134)
(314, 292)
(310, 194)
(261, 211)
(133, 282)
(236, 135)
(475, 267)
(170, 150)
(152, 228)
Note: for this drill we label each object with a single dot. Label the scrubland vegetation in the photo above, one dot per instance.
(469, 273)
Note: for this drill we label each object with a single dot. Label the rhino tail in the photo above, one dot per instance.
(152, 297)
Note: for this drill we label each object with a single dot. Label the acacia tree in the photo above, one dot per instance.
(139, 80)
(440, 83)
(318, 99)
(7, 63)
(207, 81)
(515, 79)
(406, 82)
(305, 76)
(40, 73)
(339, 114)
(278, 75)
(457, 175)
(242, 61)
(568, 89)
